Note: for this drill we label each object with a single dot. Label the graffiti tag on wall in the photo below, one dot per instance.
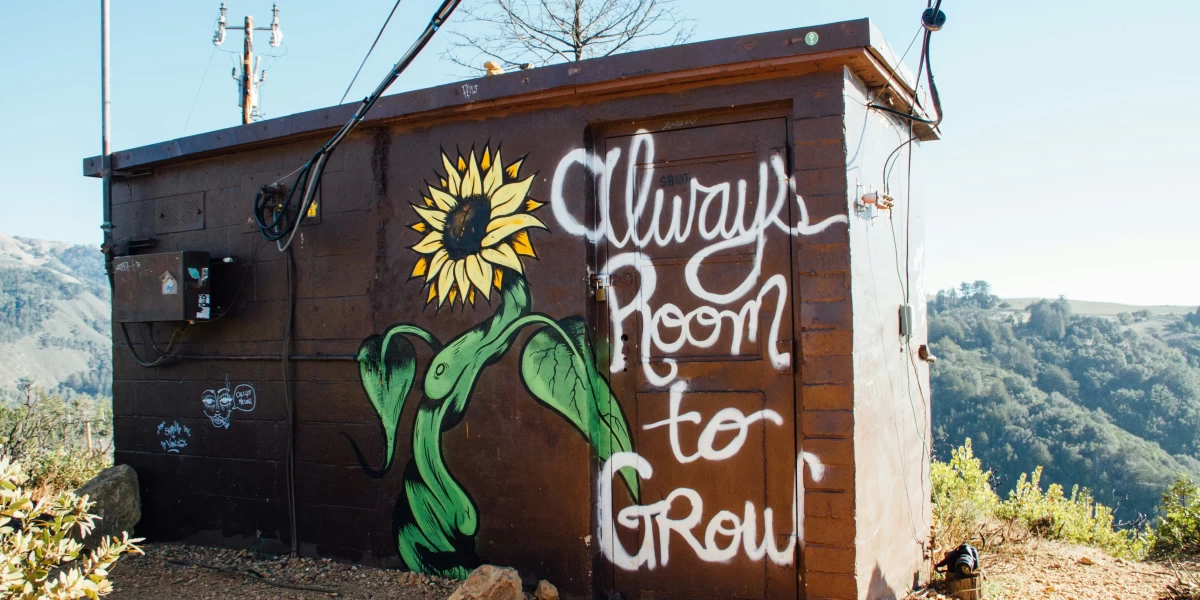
(175, 437)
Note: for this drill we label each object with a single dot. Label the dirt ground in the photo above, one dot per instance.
(1056, 571)
(201, 573)
(1032, 569)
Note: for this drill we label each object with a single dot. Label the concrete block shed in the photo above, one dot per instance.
(622, 324)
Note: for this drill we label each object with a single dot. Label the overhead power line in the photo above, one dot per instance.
(372, 49)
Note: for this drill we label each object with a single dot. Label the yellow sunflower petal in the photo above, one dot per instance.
(453, 295)
(471, 297)
(436, 264)
(452, 178)
(445, 283)
(498, 278)
(501, 228)
(460, 276)
(486, 161)
(462, 165)
(472, 182)
(421, 267)
(495, 175)
(502, 255)
(522, 245)
(432, 293)
(532, 205)
(508, 198)
(428, 202)
(444, 201)
(430, 244)
(436, 218)
(480, 273)
(419, 227)
(513, 169)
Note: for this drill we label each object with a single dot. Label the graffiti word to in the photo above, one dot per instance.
(717, 214)
(220, 404)
(174, 436)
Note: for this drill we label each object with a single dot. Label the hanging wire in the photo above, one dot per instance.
(369, 51)
(199, 88)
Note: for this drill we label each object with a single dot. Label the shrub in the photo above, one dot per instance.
(1077, 519)
(40, 543)
(49, 436)
(1178, 529)
(963, 500)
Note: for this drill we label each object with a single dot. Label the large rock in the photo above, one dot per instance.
(546, 591)
(490, 583)
(118, 502)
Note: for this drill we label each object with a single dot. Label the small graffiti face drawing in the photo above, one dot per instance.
(218, 406)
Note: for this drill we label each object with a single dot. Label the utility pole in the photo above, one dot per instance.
(248, 82)
(250, 78)
(105, 137)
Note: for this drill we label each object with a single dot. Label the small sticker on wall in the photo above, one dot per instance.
(170, 287)
(203, 301)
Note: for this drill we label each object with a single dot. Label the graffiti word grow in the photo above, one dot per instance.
(719, 540)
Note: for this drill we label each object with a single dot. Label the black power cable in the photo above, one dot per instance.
(932, 20)
(275, 218)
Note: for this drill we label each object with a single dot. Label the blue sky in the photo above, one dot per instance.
(1064, 168)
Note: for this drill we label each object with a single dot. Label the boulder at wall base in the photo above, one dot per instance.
(490, 583)
(546, 591)
(118, 502)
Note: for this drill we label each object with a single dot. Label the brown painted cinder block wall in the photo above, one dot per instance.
(804, 399)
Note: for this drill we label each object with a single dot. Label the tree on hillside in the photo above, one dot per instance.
(512, 33)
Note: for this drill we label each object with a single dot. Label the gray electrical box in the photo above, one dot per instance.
(171, 286)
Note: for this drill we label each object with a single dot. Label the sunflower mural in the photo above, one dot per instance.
(475, 226)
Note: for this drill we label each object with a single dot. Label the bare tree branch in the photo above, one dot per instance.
(539, 32)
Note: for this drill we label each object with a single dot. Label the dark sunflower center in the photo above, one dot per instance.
(466, 224)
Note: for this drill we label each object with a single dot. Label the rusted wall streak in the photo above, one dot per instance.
(500, 411)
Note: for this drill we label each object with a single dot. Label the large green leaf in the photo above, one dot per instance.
(562, 374)
(388, 366)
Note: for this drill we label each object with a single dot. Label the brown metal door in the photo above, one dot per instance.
(694, 266)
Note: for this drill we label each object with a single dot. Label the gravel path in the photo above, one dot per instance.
(201, 573)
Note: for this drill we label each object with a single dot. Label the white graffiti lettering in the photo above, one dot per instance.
(741, 531)
(711, 213)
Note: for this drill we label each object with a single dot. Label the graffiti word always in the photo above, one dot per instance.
(220, 404)
(174, 436)
(713, 212)
(723, 536)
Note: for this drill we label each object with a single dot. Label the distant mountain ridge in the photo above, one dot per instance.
(55, 317)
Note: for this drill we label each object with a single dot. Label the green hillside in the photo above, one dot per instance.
(1103, 402)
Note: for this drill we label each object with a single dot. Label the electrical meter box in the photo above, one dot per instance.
(171, 286)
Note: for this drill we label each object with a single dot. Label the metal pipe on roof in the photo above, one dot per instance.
(105, 136)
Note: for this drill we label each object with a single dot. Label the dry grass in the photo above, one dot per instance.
(1037, 568)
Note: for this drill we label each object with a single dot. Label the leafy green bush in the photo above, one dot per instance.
(1077, 518)
(963, 500)
(1178, 529)
(964, 505)
(41, 555)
